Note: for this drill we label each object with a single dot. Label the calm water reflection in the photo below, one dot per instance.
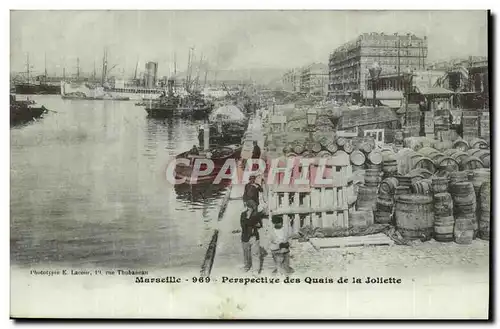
(88, 187)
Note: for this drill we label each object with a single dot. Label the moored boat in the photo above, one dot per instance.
(218, 155)
(24, 111)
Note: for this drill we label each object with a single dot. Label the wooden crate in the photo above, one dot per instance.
(314, 204)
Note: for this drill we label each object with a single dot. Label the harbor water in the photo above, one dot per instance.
(88, 188)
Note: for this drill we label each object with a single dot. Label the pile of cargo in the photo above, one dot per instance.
(432, 193)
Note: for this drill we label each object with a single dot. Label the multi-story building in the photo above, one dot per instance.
(291, 80)
(396, 54)
(314, 79)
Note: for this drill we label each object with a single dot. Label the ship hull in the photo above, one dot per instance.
(170, 112)
(34, 89)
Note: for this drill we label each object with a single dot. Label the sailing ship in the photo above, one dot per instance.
(39, 87)
(193, 104)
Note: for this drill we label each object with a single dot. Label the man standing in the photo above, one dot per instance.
(256, 150)
(251, 194)
(250, 223)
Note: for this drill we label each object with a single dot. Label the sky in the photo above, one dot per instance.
(227, 39)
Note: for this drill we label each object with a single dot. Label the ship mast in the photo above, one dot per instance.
(77, 68)
(198, 72)
(28, 67)
(94, 73)
(45, 58)
(188, 76)
(136, 66)
(104, 67)
(175, 64)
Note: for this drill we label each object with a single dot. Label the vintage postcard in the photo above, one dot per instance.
(250, 164)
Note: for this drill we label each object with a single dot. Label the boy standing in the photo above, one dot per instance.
(280, 247)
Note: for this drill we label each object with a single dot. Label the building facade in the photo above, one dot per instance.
(314, 79)
(291, 81)
(348, 65)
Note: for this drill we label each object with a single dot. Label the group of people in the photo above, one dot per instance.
(251, 224)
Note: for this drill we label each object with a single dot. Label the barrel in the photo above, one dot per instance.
(447, 163)
(428, 151)
(341, 141)
(401, 190)
(485, 197)
(367, 197)
(388, 185)
(458, 176)
(439, 184)
(360, 219)
(420, 172)
(298, 147)
(323, 154)
(464, 229)
(443, 228)
(390, 167)
(458, 155)
(357, 158)
(464, 198)
(315, 147)
(479, 143)
(375, 157)
(404, 181)
(484, 210)
(372, 177)
(348, 146)
(484, 156)
(461, 145)
(478, 177)
(366, 147)
(422, 187)
(385, 203)
(384, 209)
(332, 147)
(382, 217)
(471, 163)
(484, 226)
(443, 205)
(372, 166)
(414, 216)
(287, 149)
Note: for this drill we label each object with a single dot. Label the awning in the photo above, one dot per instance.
(433, 91)
(384, 94)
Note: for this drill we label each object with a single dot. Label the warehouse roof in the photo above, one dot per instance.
(366, 116)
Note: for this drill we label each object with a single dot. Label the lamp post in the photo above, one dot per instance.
(312, 116)
(375, 74)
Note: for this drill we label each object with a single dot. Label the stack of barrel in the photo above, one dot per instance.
(363, 154)
(444, 222)
(485, 211)
(464, 207)
(480, 179)
(367, 193)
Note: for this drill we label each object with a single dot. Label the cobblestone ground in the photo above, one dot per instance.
(431, 256)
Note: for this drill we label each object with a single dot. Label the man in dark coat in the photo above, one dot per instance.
(256, 150)
(251, 194)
